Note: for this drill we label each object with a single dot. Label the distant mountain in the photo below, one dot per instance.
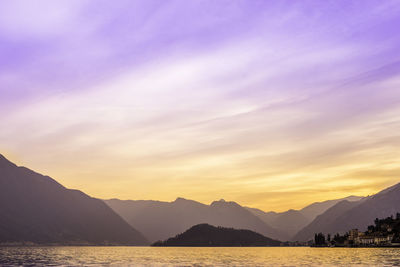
(268, 217)
(348, 215)
(205, 235)
(160, 220)
(325, 222)
(292, 221)
(289, 222)
(317, 208)
(36, 209)
(231, 214)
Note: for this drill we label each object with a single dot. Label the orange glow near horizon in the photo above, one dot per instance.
(274, 197)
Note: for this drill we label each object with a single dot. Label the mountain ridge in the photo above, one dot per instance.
(346, 215)
(37, 209)
(160, 220)
(282, 226)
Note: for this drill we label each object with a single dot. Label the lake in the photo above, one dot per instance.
(174, 256)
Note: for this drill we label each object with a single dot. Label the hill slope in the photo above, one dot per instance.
(349, 215)
(35, 208)
(210, 236)
(317, 208)
(292, 221)
(324, 223)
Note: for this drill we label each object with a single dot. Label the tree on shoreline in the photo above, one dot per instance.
(319, 239)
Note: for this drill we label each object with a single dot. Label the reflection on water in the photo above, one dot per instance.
(162, 256)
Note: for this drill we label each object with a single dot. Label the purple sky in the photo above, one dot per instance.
(261, 102)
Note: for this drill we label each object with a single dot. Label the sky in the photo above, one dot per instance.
(272, 104)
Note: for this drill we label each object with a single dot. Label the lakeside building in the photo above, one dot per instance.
(360, 238)
(385, 232)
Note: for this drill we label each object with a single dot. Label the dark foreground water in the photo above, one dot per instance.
(172, 256)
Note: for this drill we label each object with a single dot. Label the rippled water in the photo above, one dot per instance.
(172, 256)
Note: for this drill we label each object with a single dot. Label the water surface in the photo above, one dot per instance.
(173, 256)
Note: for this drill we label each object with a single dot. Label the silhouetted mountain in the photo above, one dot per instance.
(160, 220)
(205, 235)
(317, 208)
(231, 214)
(324, 222)
(268, 217)
(348, 215)
(292, 221)
(36, 209)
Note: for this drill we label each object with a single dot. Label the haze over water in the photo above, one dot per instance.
(211, 256)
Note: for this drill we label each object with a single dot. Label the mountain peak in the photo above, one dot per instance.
(179, 199)
(5, 162)
(223, 203)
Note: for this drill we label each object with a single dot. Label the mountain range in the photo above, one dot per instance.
(292, 221)
(35, 209)
(159, 220)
